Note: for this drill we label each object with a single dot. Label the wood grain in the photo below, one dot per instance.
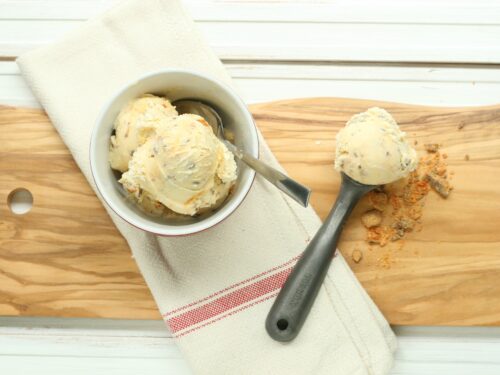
(65, 258)
(447, 274)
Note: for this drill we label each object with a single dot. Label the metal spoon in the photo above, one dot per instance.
(292, 188)
(293, 303)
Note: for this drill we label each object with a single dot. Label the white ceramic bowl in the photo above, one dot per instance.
(174, 85)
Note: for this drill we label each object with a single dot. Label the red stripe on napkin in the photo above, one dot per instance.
(229, 301)
(225, 315)
(241, 283)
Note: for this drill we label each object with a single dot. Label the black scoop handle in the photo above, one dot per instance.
(293, 303)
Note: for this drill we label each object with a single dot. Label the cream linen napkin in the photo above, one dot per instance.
(215, 288)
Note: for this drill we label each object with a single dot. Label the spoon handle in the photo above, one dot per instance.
(293, 303)
(290, 187)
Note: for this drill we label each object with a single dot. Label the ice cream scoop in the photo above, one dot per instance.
(183, 166)
(287, 185)
(373, 150)
(361, 147)
(134, 125)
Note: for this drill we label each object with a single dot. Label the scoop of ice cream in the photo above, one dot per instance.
(134, 125)
(183, 165)
(372, 149)
(147, 204)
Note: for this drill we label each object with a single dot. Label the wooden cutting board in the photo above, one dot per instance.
(65, 258)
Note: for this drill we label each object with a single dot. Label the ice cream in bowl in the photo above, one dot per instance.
(164, 172)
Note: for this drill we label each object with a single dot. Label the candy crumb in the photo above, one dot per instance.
(356, 256)
(371, 218)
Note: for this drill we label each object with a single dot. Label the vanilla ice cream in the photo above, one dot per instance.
(182, 165)
(134, 125)
(372, 149)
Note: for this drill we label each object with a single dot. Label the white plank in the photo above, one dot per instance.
(351, 72)
(378, 72)
(447, 350)
(50, 346)
(43, 342)
(55, 365)
(444, 368)
(444, 86)
(82, 346)
(53, 9)
(482, 12)
(402, 33)
(348, 42)
(14, 91)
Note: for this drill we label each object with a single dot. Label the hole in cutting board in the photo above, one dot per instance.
(20, 201)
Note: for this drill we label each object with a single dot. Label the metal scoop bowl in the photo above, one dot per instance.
(292, 188)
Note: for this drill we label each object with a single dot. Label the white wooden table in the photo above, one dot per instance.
(444, 52)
